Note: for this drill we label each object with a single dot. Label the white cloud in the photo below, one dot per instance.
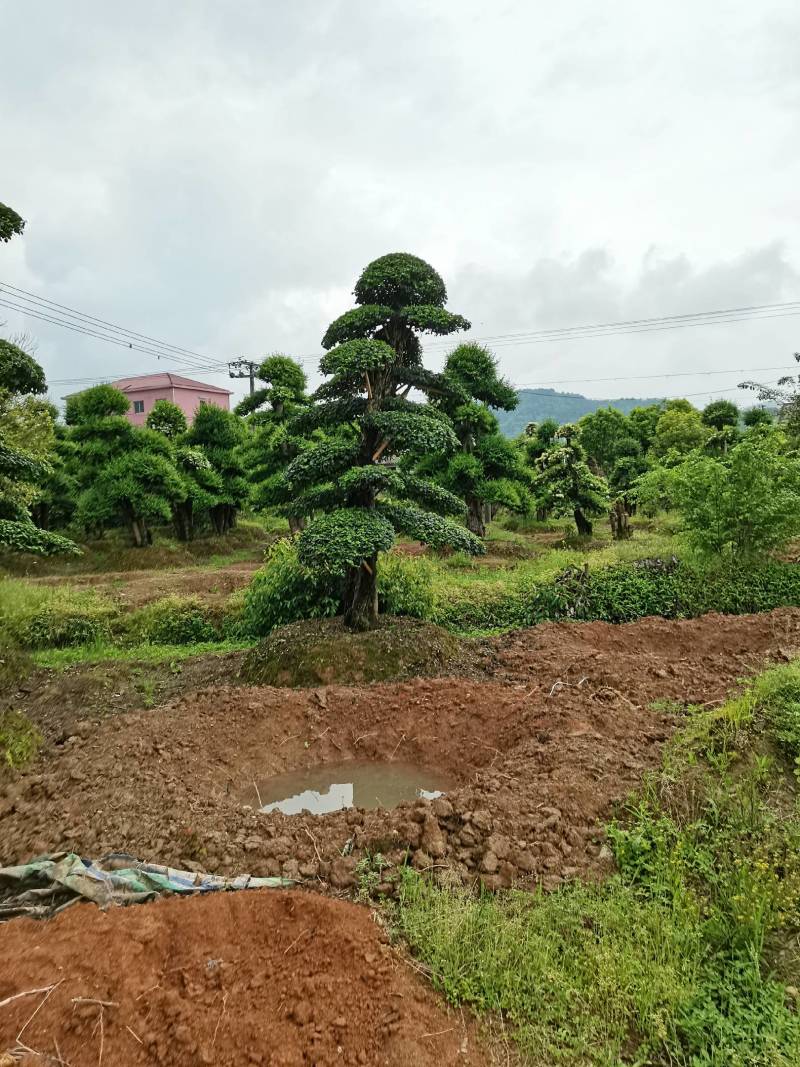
(217, 175)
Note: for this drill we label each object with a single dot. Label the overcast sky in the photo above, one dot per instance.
(216, 175)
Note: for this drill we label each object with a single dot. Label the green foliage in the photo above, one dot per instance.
(431, 529)
(219, 434)
(20, 739)
(19, 372)
(399, 280)
(172, 620)
(10, 223)
(666, 961)
(343, 538)
(606, 437)
(34, 616)
(744, 503)
(563, 483)
(405, 586)
(679, 431)
(369, 422)
(26, 445)
(357, 323)
(620, 593)
(136, 488)
(101, 401)
(357, 357)
(758, 417)
(167, 418)
(721, 413)
(25, 537)
(284, 591)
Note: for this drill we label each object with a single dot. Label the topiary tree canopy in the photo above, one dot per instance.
(167, 418)
(486, 471)
(358, 481)
(271, 446)
(219, 434)
(565, 485)
(10, 223)
(721, 413)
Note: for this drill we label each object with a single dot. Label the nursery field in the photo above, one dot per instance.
(617, 828)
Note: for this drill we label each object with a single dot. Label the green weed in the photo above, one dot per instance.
(669, 961)
(19, 739)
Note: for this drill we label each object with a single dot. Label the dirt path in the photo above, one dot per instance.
(256, 977)
(560, 727)
(133, 589)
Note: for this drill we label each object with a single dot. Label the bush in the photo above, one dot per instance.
(405, 586)
(622, 593)
(172, 621)
(284, 591)
(35, 617)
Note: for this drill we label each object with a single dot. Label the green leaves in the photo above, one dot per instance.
(428, 318)
(357, 357)
(357, 323)
(400, 279)
(344, 538)
(431, 529)
(25, 537)
(20, 374)
(10, 223)
(321, 462)
(418, 430)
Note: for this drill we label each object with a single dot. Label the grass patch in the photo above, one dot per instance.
(103, 652)
(19, 739)
(38, 616)
(685, 956)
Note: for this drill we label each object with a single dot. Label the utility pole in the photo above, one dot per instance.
(247, 369)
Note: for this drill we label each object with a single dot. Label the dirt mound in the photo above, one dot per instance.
(254, 977)
(539, 754)
(324, 652)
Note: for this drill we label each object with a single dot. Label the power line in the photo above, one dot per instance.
(697, 318)
(64, 310)
(130, 345)
(668, 374)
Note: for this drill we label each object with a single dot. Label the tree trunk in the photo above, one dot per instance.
(583, 524)
(138, 533)
(183, 521)
(475, 520)
(360, 597)
(618, 518)
(296, 524)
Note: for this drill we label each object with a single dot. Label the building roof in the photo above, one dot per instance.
(165, 380)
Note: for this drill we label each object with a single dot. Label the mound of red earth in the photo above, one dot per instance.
(552, 727)
(253, 977)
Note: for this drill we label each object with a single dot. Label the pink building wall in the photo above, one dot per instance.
(143, 391)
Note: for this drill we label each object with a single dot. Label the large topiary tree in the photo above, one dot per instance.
(486, 471)
(565, 484)
(26, 446)
(219, 434)
(352, 481)
(271, 446)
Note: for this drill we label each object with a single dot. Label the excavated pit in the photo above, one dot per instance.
(552, 727)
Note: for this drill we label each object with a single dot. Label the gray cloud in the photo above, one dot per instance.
(217, 175)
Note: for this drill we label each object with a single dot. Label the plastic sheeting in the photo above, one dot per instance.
(46, 885)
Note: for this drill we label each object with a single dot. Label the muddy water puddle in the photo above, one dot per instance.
(351, 784)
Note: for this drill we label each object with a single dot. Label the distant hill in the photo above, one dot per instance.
(537, 404)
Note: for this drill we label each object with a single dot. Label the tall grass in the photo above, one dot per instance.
(672, 960)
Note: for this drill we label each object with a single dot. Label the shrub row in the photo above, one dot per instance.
(621, 593)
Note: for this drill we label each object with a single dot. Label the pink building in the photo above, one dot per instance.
(145, 389)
